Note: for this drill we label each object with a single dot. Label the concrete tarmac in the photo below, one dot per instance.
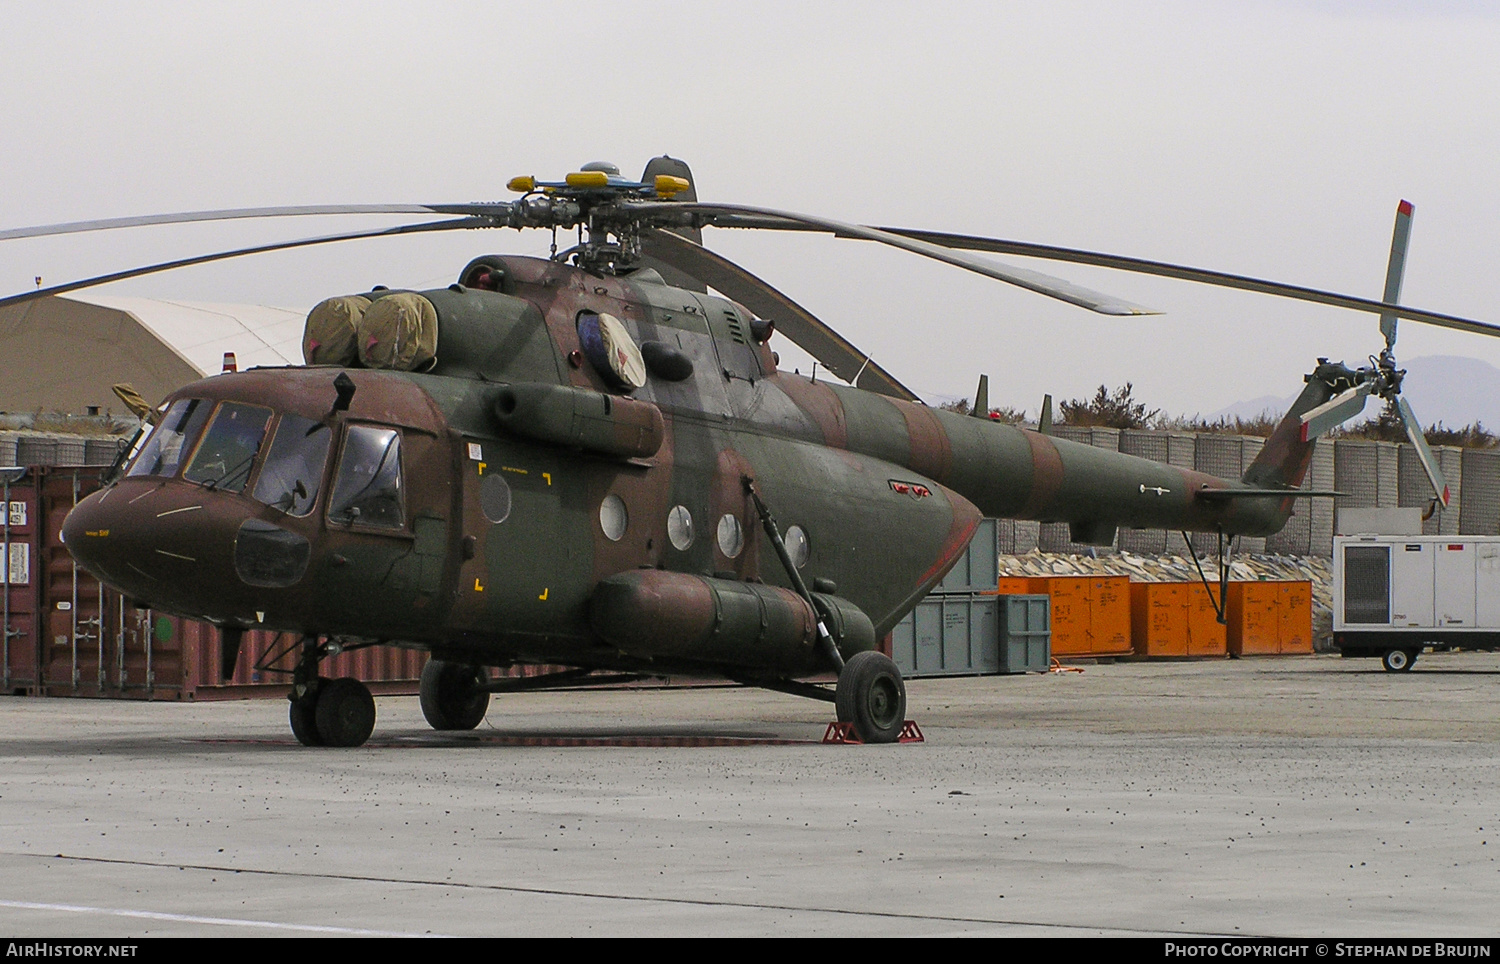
(1290, 797)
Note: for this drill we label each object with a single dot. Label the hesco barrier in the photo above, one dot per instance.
(1480, 512)
(65, 634)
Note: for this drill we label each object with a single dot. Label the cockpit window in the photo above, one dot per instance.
(223, 458)
(292, 471)
(368, 488)
(174, 434)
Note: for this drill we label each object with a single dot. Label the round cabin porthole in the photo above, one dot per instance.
(797, 546)
(613, 518)
(494, 498)
(731, 536)
(680, 527)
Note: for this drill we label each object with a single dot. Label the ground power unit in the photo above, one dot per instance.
(1394, 595)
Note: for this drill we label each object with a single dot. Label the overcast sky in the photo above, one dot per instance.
(1272, 139)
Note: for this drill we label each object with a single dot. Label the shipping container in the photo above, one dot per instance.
(20, 644)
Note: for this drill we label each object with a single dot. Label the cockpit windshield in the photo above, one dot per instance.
(293, 469)
(223, 458)
(368, 488)
(179, 427)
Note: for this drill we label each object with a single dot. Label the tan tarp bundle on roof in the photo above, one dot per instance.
(399, 331)
(332, 326)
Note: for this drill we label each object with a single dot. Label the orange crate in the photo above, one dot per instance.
(1090, 614)
(1296, 617)
(1206, 635)
(1269, 618)
(1158, 618)
(1174, 619)
(1013, 586)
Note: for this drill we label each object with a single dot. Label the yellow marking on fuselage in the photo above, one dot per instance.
(101, 533)
(481, 467)
(543, 596)
(477, 586)
(507, 468)
(548, 477)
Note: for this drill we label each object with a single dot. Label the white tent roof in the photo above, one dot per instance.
(201, 332)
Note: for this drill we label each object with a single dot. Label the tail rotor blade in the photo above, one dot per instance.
(1334, 412)
(1395, 270)
(1424, 454)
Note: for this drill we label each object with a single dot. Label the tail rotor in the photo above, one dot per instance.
(1382, 378)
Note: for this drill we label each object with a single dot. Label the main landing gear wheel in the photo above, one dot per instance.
(304, 714)
(872, 696)
(1398, 660)
(346, 712)
(453, 695)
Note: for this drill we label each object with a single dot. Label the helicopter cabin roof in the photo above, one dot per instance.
(64, 353)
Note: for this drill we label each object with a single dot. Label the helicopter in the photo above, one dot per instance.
(592, 461)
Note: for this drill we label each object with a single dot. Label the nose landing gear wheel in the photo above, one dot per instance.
(452, 695)
(304, 714)
(346, 713)
(872, 696)
(1398, 660)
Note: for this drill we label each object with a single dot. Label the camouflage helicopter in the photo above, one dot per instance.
(590, 461)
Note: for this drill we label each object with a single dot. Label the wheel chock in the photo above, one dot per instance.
(846, 734)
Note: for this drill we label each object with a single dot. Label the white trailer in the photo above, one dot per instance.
(1393, 595)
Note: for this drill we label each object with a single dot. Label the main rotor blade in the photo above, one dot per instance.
(1424, 454)
(1201, 275)
(482, 208)
(792, 320)
(1024, 277)
(258, 249)
(1394, 271)
(1335, 412)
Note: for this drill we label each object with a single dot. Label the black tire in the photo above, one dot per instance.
(872, 696)
(452, 695)
(1398, 660)
(346, 713)
(304, 716)
(305, 722)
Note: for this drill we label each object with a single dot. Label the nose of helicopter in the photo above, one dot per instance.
(169, 544)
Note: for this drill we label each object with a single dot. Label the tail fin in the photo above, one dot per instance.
(676, 168)
(1282, 464)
